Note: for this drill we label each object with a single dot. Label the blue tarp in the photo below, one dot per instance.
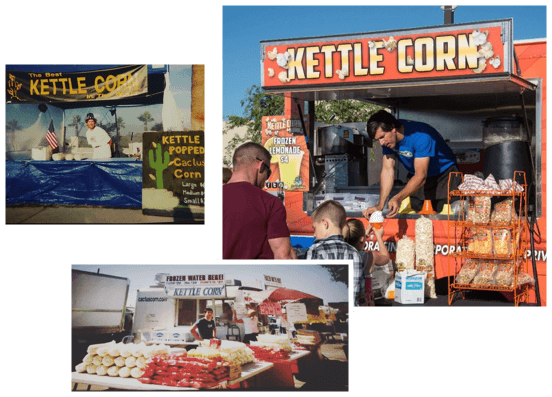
(301, 241)
(105, 183)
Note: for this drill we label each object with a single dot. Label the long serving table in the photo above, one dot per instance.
(251, 370)
(248, 371)
(117, 182)
(265, 375)
(280, 376)
(118, 382)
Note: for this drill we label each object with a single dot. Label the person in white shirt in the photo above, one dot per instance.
(97, 138)
(249, 325)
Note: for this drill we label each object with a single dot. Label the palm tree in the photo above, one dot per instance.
(146, 118)
(120, 124)
(12, 126)
(157, 127)
(75, 121)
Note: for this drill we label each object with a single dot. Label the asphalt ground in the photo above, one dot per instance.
(67, 214)
(329, 374)
(471, 298)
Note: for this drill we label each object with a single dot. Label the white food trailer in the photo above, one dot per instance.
(98, 310)
(166, 310)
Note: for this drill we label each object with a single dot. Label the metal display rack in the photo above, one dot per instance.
(459, 232)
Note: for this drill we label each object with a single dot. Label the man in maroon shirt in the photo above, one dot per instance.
(254, 221)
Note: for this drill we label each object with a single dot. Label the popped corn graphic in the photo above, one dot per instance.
(342, 73)
(272, 54)
(485, 51)
(282, 76)
(479, 37)
(283, 59)
(390, 44)
(495, 62)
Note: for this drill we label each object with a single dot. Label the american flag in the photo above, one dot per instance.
(51, 136)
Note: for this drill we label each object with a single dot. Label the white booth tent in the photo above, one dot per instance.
(27, 124)
(32, 103)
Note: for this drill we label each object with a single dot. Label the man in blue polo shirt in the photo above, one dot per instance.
(425, 155)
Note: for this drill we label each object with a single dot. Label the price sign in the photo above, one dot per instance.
(271, 308)
(296, 312)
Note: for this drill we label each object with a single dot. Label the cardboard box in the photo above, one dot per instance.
(409, 287)
(234, 371)
(171, 335)
(42, 153)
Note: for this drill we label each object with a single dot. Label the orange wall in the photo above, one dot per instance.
(532, 60)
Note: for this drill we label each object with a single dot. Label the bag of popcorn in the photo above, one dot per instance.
(405, 254)
(425, 260)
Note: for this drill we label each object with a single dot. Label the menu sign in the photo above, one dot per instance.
(173, 170)
(194, 279)
(240, 309)
(296, 312)
(195, 285)
(284, 139)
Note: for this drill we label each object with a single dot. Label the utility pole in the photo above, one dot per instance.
(198, 97)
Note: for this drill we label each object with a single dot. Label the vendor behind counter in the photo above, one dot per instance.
(425, 155)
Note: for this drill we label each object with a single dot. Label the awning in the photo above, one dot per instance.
(461, 95)
(45, 81)
(282, 294)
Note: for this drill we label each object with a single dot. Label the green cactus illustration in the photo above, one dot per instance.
(159, 165)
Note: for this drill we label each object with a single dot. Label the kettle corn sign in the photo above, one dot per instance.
(366, 58)
(173, 169)
(119, 82)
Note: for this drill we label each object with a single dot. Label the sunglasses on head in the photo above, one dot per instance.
(268, 170)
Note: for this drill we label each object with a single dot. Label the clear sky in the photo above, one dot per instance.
(312, 279)
(244, 28)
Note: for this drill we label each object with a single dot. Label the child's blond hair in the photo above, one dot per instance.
(353, 233)
(331, 210)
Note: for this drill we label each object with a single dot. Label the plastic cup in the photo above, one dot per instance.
(377, 225)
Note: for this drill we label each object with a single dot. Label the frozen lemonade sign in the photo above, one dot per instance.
(283, 138)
